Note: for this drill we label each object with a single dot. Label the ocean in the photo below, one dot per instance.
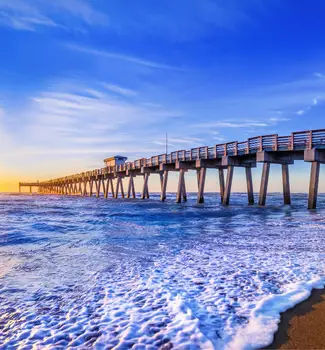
(92, 273)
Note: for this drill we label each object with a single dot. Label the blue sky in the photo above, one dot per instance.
(81, 80)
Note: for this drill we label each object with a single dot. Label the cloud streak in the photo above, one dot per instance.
(121, 57)
(119, 90)
(30, 15)
(231, 124)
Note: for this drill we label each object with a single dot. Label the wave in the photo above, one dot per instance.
(264, 319)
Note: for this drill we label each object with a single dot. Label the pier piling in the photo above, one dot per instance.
(200, 194)
(181, 191)
(286, 184)
(313, 185)
(164, 186)
(230, 173)
(221, 183)
(249, 182)
(145, 190)
(264, 184)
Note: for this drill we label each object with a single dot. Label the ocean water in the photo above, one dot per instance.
(129, 274)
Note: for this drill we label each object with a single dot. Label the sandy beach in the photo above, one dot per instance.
(303, 327)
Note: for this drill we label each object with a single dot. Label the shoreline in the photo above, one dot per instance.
(302, 326)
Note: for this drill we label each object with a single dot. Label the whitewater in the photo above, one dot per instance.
(92, 273)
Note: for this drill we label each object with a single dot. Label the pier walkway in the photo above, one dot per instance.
(308, 146)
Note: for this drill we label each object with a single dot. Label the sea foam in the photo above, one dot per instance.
(264, 319)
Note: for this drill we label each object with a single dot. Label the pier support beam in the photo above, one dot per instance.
(98, 183)
(145, 190)
(122, 189)
(181, 189)
(164, 185)
(106, 188)
(249, 182)
(131, 190)
(91, 182)
(201, 180)
(103, 185)
(221, 183)
(264, 183)
(112, 187)
(85, 188)
(313, 185)
(184, 194)
(119, 187)
(286, 184)
(230, 173)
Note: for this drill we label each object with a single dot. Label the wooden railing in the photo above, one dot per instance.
(298, 141)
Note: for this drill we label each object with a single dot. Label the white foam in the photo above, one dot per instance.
(264, 319)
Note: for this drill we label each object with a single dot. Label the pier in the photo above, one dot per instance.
(308, 146)
(30, 185)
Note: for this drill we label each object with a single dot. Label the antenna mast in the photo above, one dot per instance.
(166, 143)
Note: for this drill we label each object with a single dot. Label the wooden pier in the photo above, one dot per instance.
(308, 146)
(30, 185)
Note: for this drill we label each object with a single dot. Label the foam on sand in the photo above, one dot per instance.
(264, 319)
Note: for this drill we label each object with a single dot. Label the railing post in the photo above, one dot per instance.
(275, 142)
(310, 140)
(292, 140)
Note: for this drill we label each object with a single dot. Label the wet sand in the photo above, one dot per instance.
(303, 327)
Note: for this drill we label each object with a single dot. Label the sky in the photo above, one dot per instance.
(83, 80)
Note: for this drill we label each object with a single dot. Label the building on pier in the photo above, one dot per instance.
(115, 160)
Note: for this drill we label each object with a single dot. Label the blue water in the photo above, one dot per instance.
(103, 274)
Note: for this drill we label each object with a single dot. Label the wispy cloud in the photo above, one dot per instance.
(73, 121)
(121, 57)
(82, 117)
(29, 15)
(232, 124)
(119, 90)
(319, 75)
(308, 107)
(179, 141)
